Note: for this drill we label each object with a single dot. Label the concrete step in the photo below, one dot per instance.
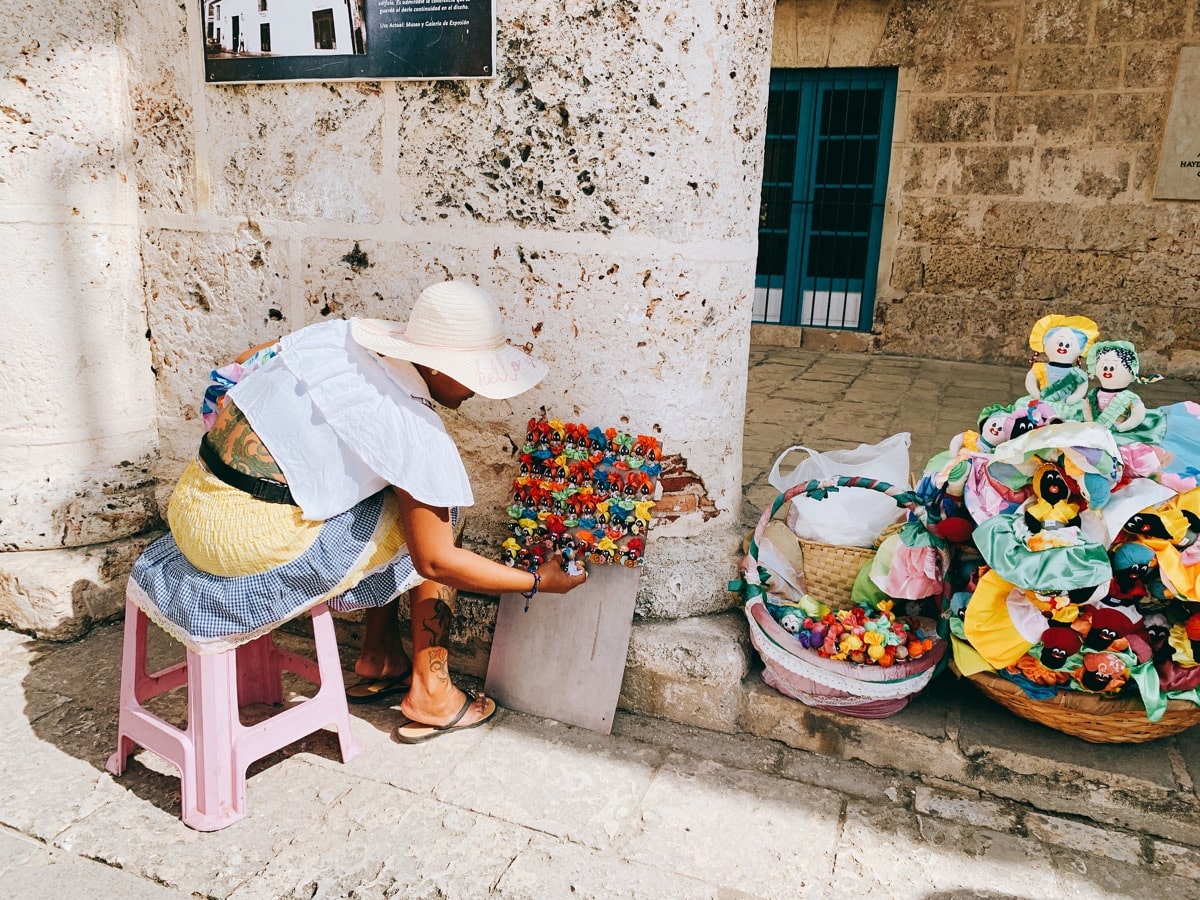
(701, 672)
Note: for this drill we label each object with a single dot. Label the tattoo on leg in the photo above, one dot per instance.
(437, 625)
(439, 663)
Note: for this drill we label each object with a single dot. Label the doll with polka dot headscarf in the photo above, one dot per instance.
(1063, 340)
(1113, 404)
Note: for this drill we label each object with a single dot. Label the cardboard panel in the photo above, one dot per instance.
(564, 659)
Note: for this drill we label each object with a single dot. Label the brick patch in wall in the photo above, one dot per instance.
(683, 492)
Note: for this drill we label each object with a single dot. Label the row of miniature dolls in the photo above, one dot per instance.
(611, 517)
(544, 494)
(576, 545)
(557, 438)
(580, 467)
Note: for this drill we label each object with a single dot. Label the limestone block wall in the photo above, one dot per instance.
(78, 436)
(1027, 143)
(604, 187)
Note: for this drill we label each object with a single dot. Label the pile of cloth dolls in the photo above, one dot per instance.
(1063, 535)
(583, 493)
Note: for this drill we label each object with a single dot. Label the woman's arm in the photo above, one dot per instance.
(430, 540)
(242, 357)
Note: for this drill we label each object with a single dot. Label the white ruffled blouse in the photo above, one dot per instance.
(344, 423)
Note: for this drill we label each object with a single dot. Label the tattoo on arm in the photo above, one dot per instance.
(238, 445)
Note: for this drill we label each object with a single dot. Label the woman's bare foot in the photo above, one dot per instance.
(420, 706)
(379, 666)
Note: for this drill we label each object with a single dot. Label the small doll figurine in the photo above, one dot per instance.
(1058, 645)
(1056, 505)
(1027, 417)
(992, 422)
(1102, 672)
(510, 551)
(1132, 565)
(1063, 339)
(1107, 630)
(571, 564)
(993, 430)
(1115, 365)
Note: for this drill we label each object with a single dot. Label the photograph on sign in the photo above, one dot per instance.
(339, 40)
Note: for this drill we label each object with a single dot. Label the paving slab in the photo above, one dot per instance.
(30, 870)
(373, 843)
(140, 831)
(736, 829)
(550, 870)
(557, 779)
(932, 857)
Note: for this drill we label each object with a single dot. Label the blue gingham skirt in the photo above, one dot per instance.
(211, 613)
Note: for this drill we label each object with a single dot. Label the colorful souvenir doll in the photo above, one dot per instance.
(1063, 340)
(1113, 403)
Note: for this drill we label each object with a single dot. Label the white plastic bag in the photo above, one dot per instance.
(849, 517)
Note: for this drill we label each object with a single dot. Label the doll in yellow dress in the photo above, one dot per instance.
(1063, 340)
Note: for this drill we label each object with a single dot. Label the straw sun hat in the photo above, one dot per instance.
(455, 328)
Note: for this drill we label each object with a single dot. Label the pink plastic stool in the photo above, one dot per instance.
(212, 755)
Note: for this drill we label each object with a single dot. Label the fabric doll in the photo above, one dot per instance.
(1133, 566)
(1102, 673)
(1058, 645)
(994, 428)
(1170, 531)
(1056, 506)
(1113, 404)
(1063, 340)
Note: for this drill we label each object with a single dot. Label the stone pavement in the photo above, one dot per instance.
(953, 797)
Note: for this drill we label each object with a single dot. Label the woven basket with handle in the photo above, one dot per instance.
(829, 569)
(866, 691)
(1090, 717)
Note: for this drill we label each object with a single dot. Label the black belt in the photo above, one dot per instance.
(258, 488)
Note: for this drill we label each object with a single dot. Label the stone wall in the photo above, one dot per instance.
(78, 441)
(1027, 141)
(603, 187)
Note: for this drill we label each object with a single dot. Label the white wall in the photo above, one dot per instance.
(604, 187)
(78, 434)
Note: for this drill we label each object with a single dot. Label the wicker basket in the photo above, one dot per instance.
(1121, 721)
(865, 691)
(829, 569)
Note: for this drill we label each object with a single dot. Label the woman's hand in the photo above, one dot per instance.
(436, 557)
(555, 580)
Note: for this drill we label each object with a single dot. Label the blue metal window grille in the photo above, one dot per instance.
(828, 146)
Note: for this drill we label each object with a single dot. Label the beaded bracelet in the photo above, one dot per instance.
(528, 595)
